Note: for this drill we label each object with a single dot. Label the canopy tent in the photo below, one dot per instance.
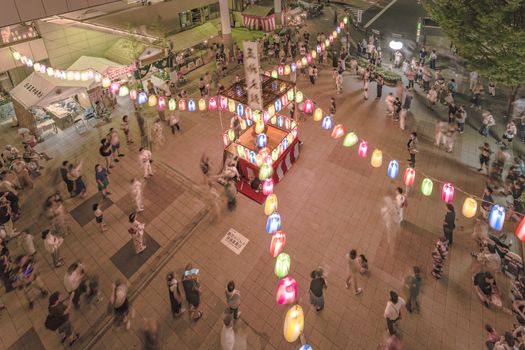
(257, 17)
(124, 51)
(192, 37)
(98, 64)
(41, 90)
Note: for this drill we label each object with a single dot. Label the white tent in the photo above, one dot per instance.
(39, 89)
(98, 64)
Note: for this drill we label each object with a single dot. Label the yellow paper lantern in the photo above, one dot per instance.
(377, 158)
(270, 204)
(318, 114)
(287, 70)
(152, 100)
(202, 104)
(314, 54)
(289, 137)
(293, 323)
(259, 127)
(243, 124)
(271, 110)
(231, 106)
(470, 206)
(71, 75)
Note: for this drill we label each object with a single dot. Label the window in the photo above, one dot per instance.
(185, 19)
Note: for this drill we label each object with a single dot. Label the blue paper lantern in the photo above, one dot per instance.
(273, 224)
(142, 98)
(191, 106)
(393, 169)
(278, 105)
(240, 109)
(261, 140)
(338, 30)
(293, 66)
(249, 122)
(306, 347)
(497, 217)
(285, 143)
(252, 157)
(327, 122)
(318, 49)
(280, 121)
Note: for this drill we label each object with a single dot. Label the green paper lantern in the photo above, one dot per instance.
(274, 74)
(299, 97)
(172, 104)
(282, 265)
(275, 154)
(231, 134)
(240, 151)
(350, 139)
(345, 20)
(265, 172)
(304, 61)
(289, 95)
(123, 91)
(426, 187)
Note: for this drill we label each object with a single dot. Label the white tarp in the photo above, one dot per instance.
(98, 64)
(38, 89)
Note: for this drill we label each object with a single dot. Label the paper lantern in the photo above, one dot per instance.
(249, 122)
(17, 55)
(497, 217)
(259, 127)
(90, 74)
(393, 169)
(426, 186)
(266, 117)
(273, 223)
(36, 67)
(282, 265)
(172, 104)
(470, 206)
(334, 34)
(261, 140)
(271, 111)
(264, 152)
(270, 204)
(265, 171)
(240, 151)
(299, 64)
(318, 114)
(363, 149)
(191, 106)
(294, 133)
(309, 58)
(299, 97)
(248, 113)
(286, 291)
(182, 105)
(331, 38)
(142, 98)
(278, 105)
(327, 122)
(289, 138)
(447, 193)
(268, 185)
(258, 160)
(252, 156)
(225, 139)
(345, 20)
(520, 230)
(274, 74)
(114, 88)
(280, 70)
(152, 100)
(410, 175)
(133, 94)
(98, 77)
(341, 24)
(308, 106)
(275, 154)
(202, 104)
(337, 30)
(106, 82)
(287, 70)
(243, 124)
(29, 63)
(314, 54)
(231, 106)
(84, 76)
(304, 61)
(212, 103)
(280, 121)
(231, 134)
(50, 71)
(293, 323)
(277, 243)
(306, 347)
(327, 43)
(285, 143)
(350, 139)
(293, 67)
(284, 100)
(58, 73)
(377, 158)
(318, 48)
(323, 46)
(77, 77)
(338, 132)
(162, 103)
(223, 102)
(123, 91)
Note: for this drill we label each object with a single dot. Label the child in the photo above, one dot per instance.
(125, 127)
(99, 217)
(363, 264)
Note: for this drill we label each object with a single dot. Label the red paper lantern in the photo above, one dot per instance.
(331, 38)
(133, 94)
(447, 193)
(248, 113)
(363, 149)
(286, 291)
(162, 103)
(338, 131)
(410, 175)
(277, 244)
(341, 25)
(182, 105)
(212, 103)
(308, 106)
(299, 64)
(520, 230)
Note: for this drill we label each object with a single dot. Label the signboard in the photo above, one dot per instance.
(359, 16)
(235, 241)
(252, 73)
(114, 73)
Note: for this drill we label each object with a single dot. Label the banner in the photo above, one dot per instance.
(252, 73)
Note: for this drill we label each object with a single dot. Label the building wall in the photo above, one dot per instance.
(16, 11)
(65, 43)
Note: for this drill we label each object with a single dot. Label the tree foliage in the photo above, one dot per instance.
(489, 34)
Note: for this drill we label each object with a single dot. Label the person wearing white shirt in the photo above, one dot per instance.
(74, 282)
(52, 245)
(145, 160)
(136, 191)
(393, 311)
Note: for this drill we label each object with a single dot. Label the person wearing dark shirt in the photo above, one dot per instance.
(486, 289)
(58, 318)
(317, 285)
(486, 202)
(449, 223)
(191, 286)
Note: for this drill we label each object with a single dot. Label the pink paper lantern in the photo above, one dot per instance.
(308, 106)
(267, 186)
(280, 70)
(309, 58)
(363, 149)
(447, 193)
(212, 103)
(286, 291)
(162, 103)
(338, 131)
(224, 102)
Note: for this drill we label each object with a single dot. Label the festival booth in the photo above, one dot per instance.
(267, 139)
(257, 17)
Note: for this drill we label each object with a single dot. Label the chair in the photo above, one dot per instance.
(89, 115)
(80, 126)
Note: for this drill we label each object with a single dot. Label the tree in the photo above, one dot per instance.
(489, 34)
